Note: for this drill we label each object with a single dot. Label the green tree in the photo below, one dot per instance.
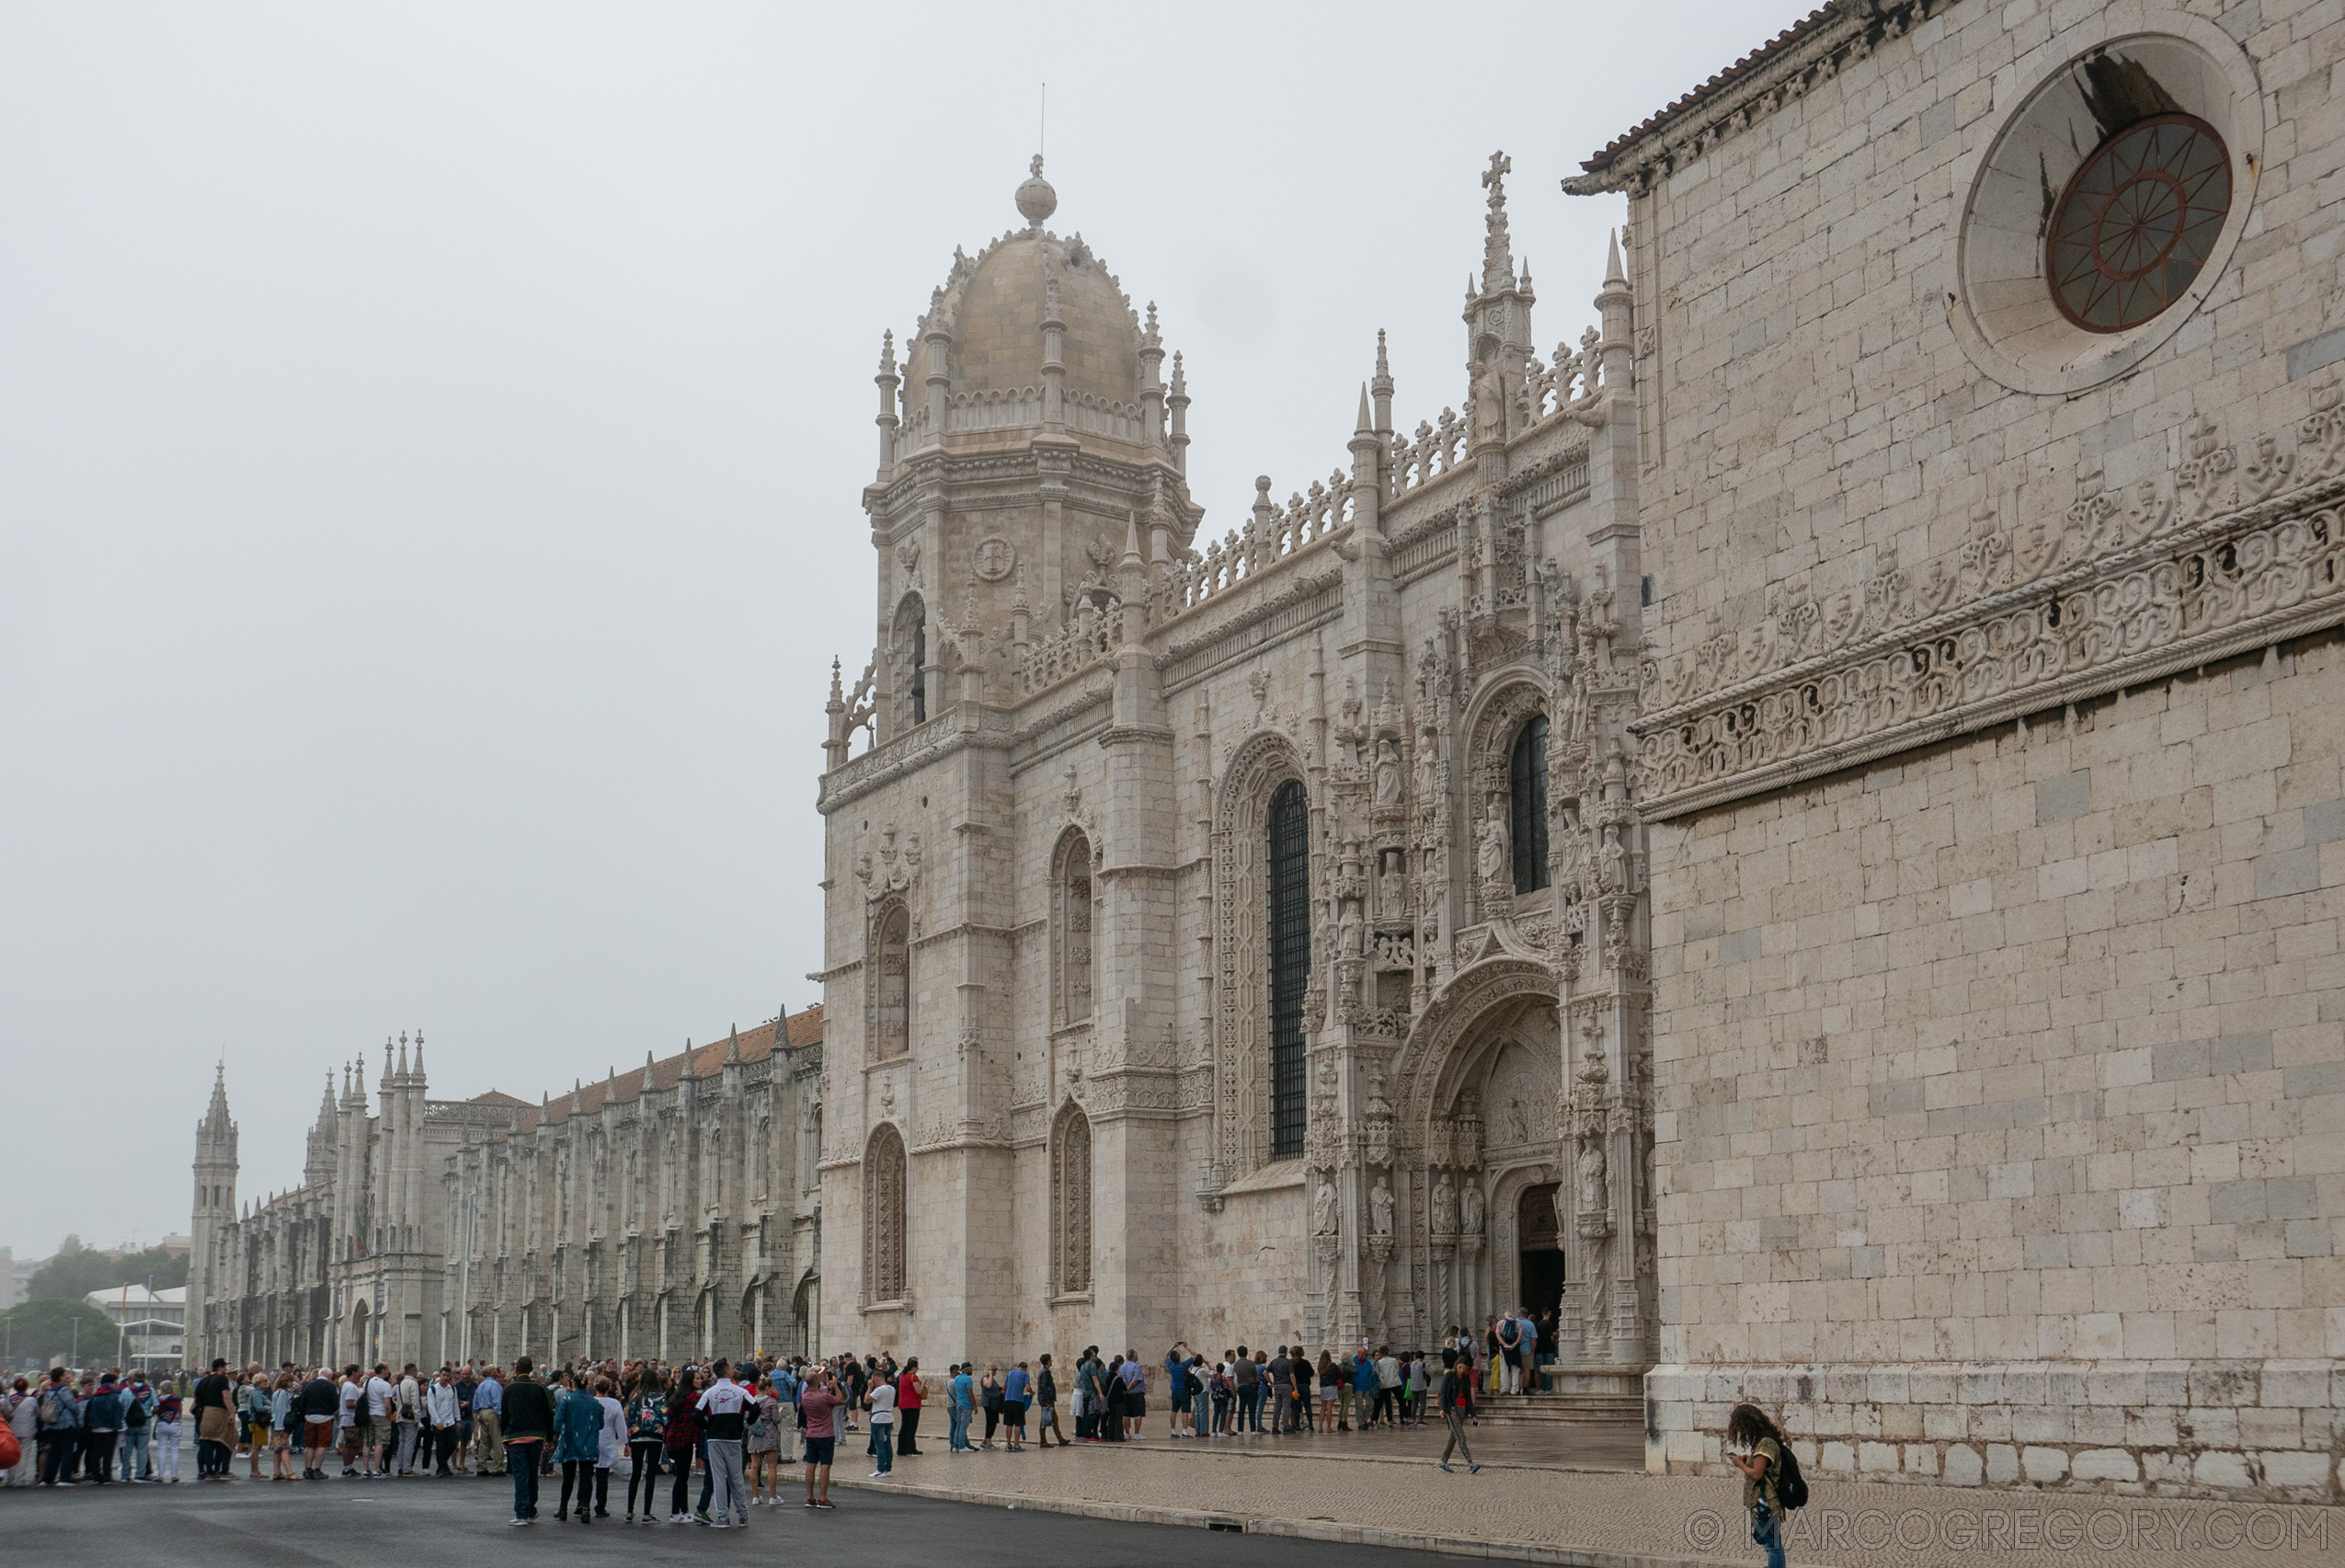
(54, 1333)
(77, 1270)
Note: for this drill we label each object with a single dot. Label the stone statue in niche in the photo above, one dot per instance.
(1490, 419)
(1591, 1199)
(1391, 888)
(1445, 1207)
(1615, 860)
(1323, 1210)
(1381, 1209)
(1387, 772)
(1470, 1201)
(1491, 853)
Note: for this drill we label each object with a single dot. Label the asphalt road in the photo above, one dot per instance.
(344, 1524)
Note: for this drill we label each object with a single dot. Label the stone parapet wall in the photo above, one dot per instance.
(2199, 1427)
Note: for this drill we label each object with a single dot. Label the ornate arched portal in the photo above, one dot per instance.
(1477, 1089)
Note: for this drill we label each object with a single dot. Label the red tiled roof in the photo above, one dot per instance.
(495, 1097)
(1758, 57)
(801, 1028)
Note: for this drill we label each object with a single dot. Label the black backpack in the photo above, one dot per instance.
(1791, 1486)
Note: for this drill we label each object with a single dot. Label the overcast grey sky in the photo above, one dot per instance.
(430, 444)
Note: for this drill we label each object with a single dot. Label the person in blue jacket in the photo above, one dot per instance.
(578, 1445)
(1364, 1389)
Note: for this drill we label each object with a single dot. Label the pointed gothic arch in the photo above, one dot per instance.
(889, 964)
(907, 663)
(884, 1178)
(1070, 1202)
(1506, 780)
(1241, 948)
(1074, 968)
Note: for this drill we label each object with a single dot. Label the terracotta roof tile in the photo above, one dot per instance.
(801, 1028)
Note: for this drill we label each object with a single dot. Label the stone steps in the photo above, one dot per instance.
(1614, 1409)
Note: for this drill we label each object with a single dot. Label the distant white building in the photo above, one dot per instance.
(15, 1278)
(154, 1323)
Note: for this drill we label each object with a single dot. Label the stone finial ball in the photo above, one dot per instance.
(1036, 200)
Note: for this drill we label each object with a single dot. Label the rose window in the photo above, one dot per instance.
(2137, 222)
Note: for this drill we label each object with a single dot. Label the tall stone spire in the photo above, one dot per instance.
(318, 1169)
(216, 1123)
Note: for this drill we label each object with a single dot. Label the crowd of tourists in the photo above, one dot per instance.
(735, 1426)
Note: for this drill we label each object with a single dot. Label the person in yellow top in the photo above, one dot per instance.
(1755, 1446)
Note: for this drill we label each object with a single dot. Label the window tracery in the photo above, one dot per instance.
(1071, 926)
(891, 964)
(1070, 1207)
(1241, 951)
(1289, 861)
(884, 1178)
(907, 662)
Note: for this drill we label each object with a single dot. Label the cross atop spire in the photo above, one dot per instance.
(1497, 247)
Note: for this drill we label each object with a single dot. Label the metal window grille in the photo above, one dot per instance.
(1290, 947)
(1527, 785)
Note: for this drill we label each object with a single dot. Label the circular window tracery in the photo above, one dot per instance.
(2137, 222)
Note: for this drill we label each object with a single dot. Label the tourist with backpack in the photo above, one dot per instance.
(138, 1405)
(1772, 1484)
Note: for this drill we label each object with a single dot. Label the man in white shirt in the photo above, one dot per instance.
(440, 1405)
(378, 1417)
(346, 1434)
(406, 1417)
(724, 1424)
(883, 1426)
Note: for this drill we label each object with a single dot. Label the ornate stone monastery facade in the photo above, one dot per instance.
(666, 1210)
(1802, 827)
(1240, 938)
(1806, 829)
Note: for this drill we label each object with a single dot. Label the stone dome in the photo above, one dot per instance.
(994, 306)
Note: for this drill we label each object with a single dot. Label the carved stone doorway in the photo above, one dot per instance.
(1542, 1255)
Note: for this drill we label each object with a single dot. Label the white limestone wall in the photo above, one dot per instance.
(2003, 1123)
(2002, 1082)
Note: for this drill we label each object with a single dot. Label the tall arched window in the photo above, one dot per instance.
(1072, 924)
(1290, 864)
(907, 663)
(884, 1215)
(920, 670)
(1527, 781)
(1070, 1202)
(892, 979)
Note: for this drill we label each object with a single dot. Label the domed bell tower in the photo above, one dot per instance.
(1027, 429)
